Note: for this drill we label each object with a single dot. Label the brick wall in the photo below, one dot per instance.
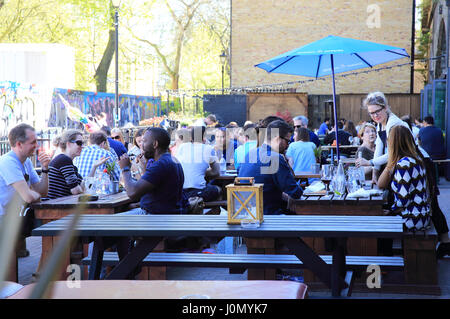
(263, 29)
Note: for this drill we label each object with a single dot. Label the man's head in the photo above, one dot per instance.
(428, 121)
(98, 138)
(23, 140)
(156, 141)
(278, 135)
(300, 121)
(327, 120)
(210, 119)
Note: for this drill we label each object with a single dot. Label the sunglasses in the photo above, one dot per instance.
(115, 137)
(79, 143)
(297, 126)
(27, 177)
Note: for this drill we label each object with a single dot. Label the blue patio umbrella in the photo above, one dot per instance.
(332, 55)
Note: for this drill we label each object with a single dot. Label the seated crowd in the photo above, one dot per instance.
(162, 175)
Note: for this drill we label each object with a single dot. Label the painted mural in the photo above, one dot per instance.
(76, 109)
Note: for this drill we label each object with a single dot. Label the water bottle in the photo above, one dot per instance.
(105, 182)
(223, 165)
(339, 180)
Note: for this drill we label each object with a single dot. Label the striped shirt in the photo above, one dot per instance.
(62, 177)
(89, 155)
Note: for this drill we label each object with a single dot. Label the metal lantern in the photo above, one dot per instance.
(245, 201)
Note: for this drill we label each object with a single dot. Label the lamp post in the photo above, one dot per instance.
(223, 58)
(116, 5)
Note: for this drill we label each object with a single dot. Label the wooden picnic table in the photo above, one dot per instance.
(107, 230)
(172, 289)
(54, 209)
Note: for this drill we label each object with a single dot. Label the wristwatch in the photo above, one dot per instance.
(45, 171)
(126, 169)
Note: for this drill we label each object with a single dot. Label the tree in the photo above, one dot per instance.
(183, 15)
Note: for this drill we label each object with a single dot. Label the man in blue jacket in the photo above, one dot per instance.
(268, 166)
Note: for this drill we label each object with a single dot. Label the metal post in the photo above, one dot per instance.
(116, 24)
(222, 78)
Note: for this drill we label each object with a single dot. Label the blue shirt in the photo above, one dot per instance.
(117, 146)
(241, 151)
(12, 171)
(272, 170)
(166, 174)
(432, 140)
(302, 153)
(323, 129)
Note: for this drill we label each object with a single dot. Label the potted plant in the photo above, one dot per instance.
(114, 185)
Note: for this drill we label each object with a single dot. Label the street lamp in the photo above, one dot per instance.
(223, 58)
(116, 5)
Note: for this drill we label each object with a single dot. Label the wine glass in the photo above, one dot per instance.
(326, 175)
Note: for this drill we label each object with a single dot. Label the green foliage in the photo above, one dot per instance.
(84, 25)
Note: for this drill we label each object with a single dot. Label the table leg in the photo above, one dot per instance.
(339, 266)
(96, 259)
(129, 263)
(313, 262)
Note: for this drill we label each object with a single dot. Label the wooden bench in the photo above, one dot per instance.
(419, 253)
(246, 261)
(241, 262)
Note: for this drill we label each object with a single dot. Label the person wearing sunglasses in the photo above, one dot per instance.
(116, 134)
(64, 179)
(116, 145)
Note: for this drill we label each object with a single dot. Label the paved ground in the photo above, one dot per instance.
(28, 265)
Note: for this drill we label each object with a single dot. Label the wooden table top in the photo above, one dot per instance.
(299, 175)
(173, 289)
(327, 147)
(216, 225)
(104, 201)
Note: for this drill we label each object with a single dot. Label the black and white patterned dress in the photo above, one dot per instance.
(409, 186)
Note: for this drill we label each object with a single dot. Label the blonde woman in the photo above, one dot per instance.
(63, 177)
(405, 175)
(368, 135)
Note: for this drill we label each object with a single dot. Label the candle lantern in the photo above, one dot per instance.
(245, 201)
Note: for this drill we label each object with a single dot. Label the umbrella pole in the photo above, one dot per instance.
(335, 111)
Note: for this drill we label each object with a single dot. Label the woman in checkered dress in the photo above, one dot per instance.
(406, 175)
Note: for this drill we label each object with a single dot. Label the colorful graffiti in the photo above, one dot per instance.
(17, 104)
(99, 107)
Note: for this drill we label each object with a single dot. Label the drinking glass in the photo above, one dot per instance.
(327, 175)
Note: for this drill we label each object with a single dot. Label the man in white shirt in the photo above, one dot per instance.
(199, 164)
